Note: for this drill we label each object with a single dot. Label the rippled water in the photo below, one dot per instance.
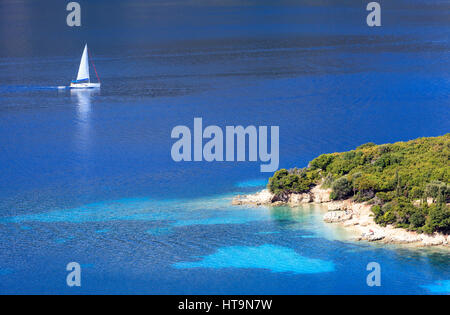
(87, 176)
(203, 245)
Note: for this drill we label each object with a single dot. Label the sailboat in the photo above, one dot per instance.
(83, 80)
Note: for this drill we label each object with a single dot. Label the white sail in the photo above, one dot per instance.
(83, 79)
(83, 71)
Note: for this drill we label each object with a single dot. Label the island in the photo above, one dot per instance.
(392, 193)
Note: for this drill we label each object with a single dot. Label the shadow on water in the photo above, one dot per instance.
(282, 216)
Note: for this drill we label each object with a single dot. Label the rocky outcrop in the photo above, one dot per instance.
(320, 195)
(316, 195)
(362, 222)
(434, 240)
(260, 198)
(296, 199)
(280, 198)
(391, 235)
(372, 235)
(357, 216)
(337, 216)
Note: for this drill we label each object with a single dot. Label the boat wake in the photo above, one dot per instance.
(26, 88)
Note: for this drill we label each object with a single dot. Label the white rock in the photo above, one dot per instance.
(402, 237)
(360, 208)
(262, 197)
(320, 195)
(433, 240)
(351, 223)
(373, 235)
(296, 199)
(337, 216)
(335, 206)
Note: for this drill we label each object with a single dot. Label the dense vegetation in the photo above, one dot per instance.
(407, 182)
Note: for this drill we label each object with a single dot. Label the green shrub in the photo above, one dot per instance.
(321, 162)
(365, 183)
(384, 148)
(377, 211)
(385, 196)
(438, 219)
(342, 188)
(363, 196)
(333, 196)
(285, 182)
(366, 145)
(389, 217)
(417, 219)
(416, 192)
(275, 185)
(327, 181)
(436, 189)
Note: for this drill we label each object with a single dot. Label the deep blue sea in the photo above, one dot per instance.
(88, 177)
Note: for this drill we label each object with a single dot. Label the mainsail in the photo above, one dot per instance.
(83, 71)
(83, 80)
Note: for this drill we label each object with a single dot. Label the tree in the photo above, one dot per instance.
(321, 162)
(438, 219)
(398, 188)
(342, 188)
(417, 219)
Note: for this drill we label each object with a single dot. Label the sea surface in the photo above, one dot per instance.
(88, 177)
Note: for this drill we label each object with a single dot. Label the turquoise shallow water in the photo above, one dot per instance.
(267, 256)
(439, 287)
(207, 245)
(252, 183)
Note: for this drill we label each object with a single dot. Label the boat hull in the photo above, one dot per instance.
(84, 85)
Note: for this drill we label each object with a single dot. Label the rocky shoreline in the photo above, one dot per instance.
(355, 216)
